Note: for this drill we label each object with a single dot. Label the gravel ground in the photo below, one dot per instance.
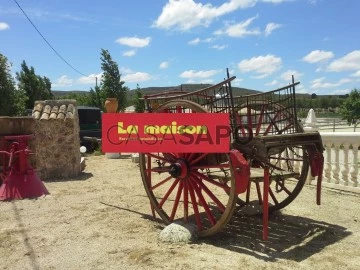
(102, 220)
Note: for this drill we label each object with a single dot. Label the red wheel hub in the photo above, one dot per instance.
(179, 169)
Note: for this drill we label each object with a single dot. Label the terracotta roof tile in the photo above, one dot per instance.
(54, 109)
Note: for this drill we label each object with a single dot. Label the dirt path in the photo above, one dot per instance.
(102, 221)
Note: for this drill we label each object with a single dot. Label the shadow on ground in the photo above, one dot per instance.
(81, 177)
(290, 237)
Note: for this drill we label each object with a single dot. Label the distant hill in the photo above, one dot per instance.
(189, 88)
(237, 91)
(154, 90)
(59, 93)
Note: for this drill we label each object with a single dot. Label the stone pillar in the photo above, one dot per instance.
(311, 122)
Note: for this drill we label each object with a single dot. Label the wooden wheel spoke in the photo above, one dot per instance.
(176, 203)
(195, 207)
(159, 169)
(281, 184)
(201, 167)
(204, 177)
(258, 191)
(186, 201)
(203, 202)
(170, 156)
(272, 195)
(160, 183)
(209, 193)
(158, 157)
(166, 196)
(198, 158)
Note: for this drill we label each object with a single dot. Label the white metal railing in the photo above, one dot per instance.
(341, 167)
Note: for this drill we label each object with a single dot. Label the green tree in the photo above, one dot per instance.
(111, 84)
(34, 86)
(82, 99)
(350, 108)
(96, 97)
(7, 88)
(324, 102)
(139, 103)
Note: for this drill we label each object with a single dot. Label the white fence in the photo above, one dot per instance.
(341, 170)
(335, 125)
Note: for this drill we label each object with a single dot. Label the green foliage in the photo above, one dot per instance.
(139, 103)
(7, 88)
(96, 98)
(350, 108)
(34, 86)
(81, 98)
(20, 102)
(111, 85)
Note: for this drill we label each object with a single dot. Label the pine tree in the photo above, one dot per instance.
(111, 85)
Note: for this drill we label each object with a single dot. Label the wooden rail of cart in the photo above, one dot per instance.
(267, 165)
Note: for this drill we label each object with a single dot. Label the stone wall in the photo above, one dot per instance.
(57, 139)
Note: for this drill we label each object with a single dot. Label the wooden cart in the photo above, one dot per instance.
(267, 165)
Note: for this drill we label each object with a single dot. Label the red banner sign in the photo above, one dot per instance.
(165, 132)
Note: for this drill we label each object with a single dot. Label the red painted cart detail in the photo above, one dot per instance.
(267, 165)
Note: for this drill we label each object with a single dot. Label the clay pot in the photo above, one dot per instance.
(111, 105)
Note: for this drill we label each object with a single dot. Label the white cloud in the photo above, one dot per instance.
(208, 40)
(270, 27)
(356, 74)
(240, 29)
(63, 81)
(204, 81)
(262, 65)
(91, 79)
(218, 47)
(186, 14)
(351, 61)
(320, 83)
(272, 83)
(203, 74)
(287, 75)
(4, 26)
(195, 41)
(237, 82)
(134, 41)
(129, 53)
(318, 56)
(164, 65)
(340, 92)
(137, 77)
(312, 2)
(276, 1)
(300, 89)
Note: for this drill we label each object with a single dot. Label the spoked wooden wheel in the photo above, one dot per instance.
(290, 164)
(192, 187)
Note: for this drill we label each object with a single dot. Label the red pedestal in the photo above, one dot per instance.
(20, 180)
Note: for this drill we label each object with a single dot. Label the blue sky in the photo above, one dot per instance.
(171, 42)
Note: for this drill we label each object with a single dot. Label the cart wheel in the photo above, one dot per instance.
(193, 187)
(291, 163)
